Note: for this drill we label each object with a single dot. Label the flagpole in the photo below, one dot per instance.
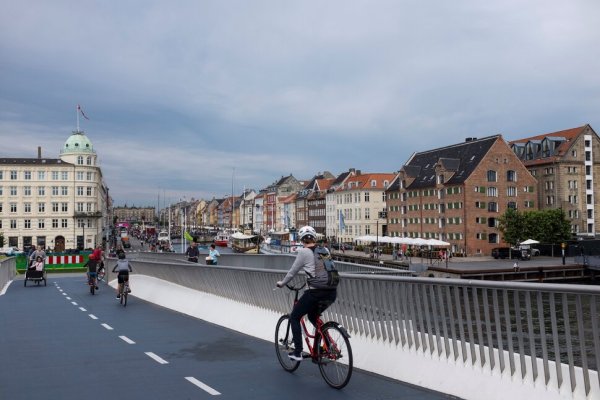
(77, 112)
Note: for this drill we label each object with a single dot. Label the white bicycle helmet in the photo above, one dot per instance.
(307, 232)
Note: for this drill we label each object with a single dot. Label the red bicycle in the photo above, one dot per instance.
(329, 347)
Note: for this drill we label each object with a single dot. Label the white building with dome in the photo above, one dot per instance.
(59, 203)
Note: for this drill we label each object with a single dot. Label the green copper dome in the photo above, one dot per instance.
(78, 143)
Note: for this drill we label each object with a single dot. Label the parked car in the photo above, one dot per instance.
(505, 252)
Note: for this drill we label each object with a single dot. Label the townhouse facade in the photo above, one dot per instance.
(58, 203)
(360, 206)
(566, 164)
(135, 214)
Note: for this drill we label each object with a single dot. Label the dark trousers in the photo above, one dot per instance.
(312, 303)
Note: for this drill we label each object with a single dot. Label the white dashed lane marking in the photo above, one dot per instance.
(127, 340)
(202, 386)
(110, 328)
(92, 316)
(82, 309)
(68, 298)
(74, 303)
(156, 358)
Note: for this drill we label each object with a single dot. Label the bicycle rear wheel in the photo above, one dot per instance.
(284, 344)
(92, 288)
(334, 355)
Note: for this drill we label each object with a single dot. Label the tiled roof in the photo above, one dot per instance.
(363, 181)
(561, 141)
(462, 158)
(33, 161)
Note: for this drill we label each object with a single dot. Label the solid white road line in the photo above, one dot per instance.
(5, 288)
(202, 386)
(110, 328)
(156, 358)
(92, 316)
(82, 309)
(127, 340)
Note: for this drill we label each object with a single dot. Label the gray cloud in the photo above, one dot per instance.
(181, 93)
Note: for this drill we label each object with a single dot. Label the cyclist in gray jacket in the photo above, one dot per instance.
(123, 267)
(317, 298)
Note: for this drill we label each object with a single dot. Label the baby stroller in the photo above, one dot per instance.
(36, 272)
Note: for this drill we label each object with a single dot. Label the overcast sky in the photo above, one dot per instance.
(190, 98)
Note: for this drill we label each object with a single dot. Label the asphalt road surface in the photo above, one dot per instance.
(61, 342)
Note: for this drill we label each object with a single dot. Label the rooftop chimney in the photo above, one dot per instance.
(39, 151)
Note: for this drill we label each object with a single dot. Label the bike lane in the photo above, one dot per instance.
(62, 342)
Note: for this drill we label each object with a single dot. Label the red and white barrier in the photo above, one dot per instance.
(64, 259)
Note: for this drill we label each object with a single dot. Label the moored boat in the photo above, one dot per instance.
(242, 243)
(222, 239)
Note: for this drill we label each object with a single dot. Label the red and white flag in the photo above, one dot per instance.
(81, 111)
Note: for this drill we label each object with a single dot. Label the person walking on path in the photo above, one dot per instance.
(213, 254)
(192, 252)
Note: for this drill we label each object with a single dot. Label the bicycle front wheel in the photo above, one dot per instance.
(334, 355)
(284, 344)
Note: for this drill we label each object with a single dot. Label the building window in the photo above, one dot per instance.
(54, 207)
(64, 207)
(549, 185)
(491, 176)
(13, 175)
(41, 191)
(27, 175)
(79, 160)
(41, 175)
(13, 190)
(13, 224)
(492, 192)
(90, 176)
(89, 191)
(41, 223)
(549, 200)
(64, 223)
(492, 206)
(13, 207)
(89, 160)
(493, 238)
(27, 207)
(512, 205)
(41, 207)
(367, 197)
(27, 224)
(54, 175)
(511, 191)
(79, 190)
(64, 190)
(55, 222)
(54, 190)
(79, 175)
(65, 175)
(511, 176)
(26, 190)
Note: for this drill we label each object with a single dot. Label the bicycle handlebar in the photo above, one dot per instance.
(296, 289)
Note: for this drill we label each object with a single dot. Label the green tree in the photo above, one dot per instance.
(546, 226)
(512, 226)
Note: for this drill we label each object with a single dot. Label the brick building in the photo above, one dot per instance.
(457, 193)
(565, 164)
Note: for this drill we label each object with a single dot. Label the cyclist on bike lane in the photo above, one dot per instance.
(316, 298)
(123, 267)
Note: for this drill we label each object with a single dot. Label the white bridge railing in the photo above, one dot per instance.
(534, 338)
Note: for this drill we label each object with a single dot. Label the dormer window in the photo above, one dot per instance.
(373, 183)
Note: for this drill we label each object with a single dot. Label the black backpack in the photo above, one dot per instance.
(326, 275)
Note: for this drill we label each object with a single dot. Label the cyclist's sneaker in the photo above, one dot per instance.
(295, 356)
(118, 296)
(128, 290)
(96, 287)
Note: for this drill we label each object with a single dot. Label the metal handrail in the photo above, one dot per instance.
(512, 327)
